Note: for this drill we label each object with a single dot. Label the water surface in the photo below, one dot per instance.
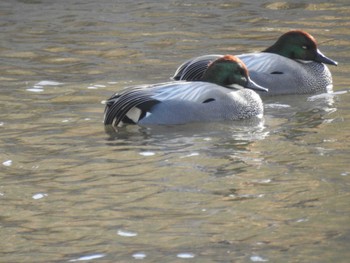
(276, 190)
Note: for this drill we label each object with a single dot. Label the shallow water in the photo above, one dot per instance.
(275, 190)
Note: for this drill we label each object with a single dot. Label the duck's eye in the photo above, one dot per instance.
(305, 47)
(237, 72)
(242, 72)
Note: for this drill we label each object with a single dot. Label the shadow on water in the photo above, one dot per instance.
(213, 148)
(181, 136)
(235, 129)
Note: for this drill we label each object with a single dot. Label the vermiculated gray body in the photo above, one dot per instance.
(279, 74)
(183, 102)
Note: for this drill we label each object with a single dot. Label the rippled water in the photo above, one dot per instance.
(269, 191)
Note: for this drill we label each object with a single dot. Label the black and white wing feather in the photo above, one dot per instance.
(120, 106)
(193, 69)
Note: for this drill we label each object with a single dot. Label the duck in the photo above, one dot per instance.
(292, 65)
(225, 92)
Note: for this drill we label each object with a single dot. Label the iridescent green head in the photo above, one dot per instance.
(229, 71)
(299, 45)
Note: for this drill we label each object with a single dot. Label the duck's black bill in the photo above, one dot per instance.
(252, 85)
(323, 59)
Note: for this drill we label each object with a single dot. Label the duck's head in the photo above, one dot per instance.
(298, 44)
(229, 71)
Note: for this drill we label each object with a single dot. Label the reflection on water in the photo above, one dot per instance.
(272, 190)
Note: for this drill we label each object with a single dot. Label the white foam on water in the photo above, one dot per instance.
(139, 255)
(185, 255)
(88, 257)
(7, 163)
(147, 153)
(257, 259)
(125, 233)
(39, 196)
